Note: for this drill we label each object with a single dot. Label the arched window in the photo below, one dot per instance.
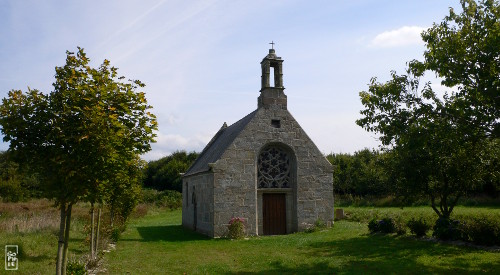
(274, 169)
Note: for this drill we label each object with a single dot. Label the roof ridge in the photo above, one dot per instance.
(218, 145)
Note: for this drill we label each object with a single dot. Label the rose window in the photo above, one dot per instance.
(273, 168)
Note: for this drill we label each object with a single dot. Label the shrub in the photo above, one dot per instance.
(236, 228)
(483, 231)
(167, 198)
(448, 229)
(75, 268)
(418, 227)
(399, 225)
(373, 225)
(149, 195)
(11, 191)
(170, 199)
(140, 211)
(317, 226)
(385, 225)
(115, 234)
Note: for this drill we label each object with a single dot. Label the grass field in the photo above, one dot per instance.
(33, 226)
(365, 214)
(157, 244)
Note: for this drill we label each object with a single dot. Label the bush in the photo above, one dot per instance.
(75, 268)
(399, 225)
(418, 227)
(373, 225)
(385, 225)
(483, 231)
(318, 225)
(168, 198)
(448, 229)
(149, 195)
(236, 228)
(115, 234)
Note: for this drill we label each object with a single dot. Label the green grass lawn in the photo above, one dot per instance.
(157, 244)
(34, 231)
(365, 214)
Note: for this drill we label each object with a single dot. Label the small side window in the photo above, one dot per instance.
(276, 123)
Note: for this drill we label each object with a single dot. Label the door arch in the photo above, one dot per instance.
(276, 189)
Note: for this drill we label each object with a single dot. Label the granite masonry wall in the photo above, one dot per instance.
(235, 184)
(229, 189)
(201, 186)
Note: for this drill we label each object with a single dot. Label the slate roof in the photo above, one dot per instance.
(218, 145)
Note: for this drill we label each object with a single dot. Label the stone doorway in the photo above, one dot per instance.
(274, 213)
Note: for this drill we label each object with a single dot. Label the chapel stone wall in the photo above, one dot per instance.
(235, 183)
(200, 185)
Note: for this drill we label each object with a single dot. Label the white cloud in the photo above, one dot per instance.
(167, 144)
(404, 36)
(172, 119)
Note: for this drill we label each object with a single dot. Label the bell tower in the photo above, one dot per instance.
(272, 95)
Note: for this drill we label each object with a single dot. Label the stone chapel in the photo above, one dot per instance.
(263, 168)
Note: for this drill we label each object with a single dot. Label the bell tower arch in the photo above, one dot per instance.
(276, 63)
(272, 95)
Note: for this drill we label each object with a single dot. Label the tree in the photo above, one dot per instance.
(359, 174)
(16, 186)
(464, 49)
(439, 145)
(122, 193)
(342, 179)
(10, 182)
(165, 173)
(80, 135)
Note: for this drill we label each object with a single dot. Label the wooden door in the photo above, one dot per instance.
(274, 214)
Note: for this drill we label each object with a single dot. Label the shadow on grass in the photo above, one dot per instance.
(382, 254)
(36, 258)
(279, 268)
(168, 233)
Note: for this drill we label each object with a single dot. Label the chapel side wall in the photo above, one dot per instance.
(201, 185)
(314, 181)
(236, 193)
(234, 190)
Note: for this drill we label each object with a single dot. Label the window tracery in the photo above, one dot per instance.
(273, 168)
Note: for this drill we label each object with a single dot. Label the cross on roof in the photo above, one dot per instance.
(272, 44)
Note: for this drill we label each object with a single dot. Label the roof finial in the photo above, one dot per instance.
(272, 44)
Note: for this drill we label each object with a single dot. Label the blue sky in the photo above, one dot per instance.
(201, 60)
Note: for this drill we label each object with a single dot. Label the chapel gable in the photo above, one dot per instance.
(263, 168)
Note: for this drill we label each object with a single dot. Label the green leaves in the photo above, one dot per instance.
(165, 173)
(465, 51)
(82, 134)
(437, 142)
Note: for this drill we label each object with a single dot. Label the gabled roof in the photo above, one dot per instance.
(218, 145)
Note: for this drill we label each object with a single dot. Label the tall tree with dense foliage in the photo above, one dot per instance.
(165, 173)
(360, 174)
(79, 136)
(440, 144)
(14, 185)
(464, 49)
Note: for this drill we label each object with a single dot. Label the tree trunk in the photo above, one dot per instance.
(66, 239)
(97, 233)
(92, 231)
(60, 244)
(434, 207)
(112, 216)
